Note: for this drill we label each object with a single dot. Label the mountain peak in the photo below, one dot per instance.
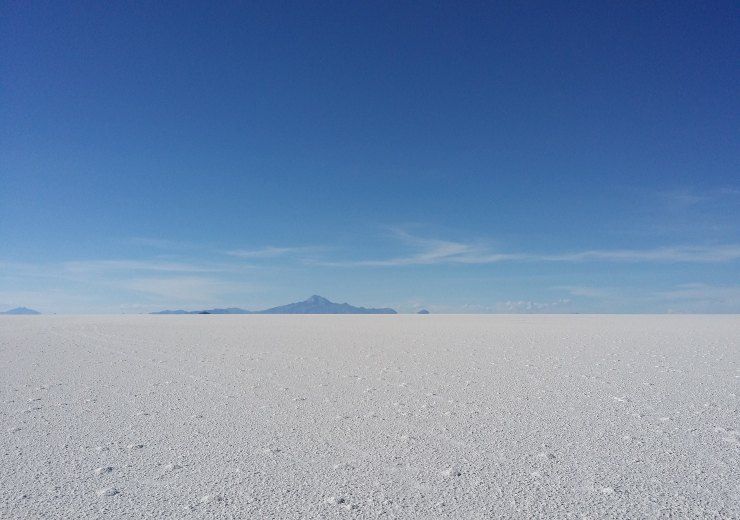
(314, 305)
(319, 305)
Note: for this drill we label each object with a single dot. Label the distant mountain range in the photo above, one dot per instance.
(21, 311)
(230, 310)
(314, 305)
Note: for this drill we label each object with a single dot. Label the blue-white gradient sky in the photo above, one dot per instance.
(458, 156)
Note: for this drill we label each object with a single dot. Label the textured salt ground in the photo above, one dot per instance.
(370, 417)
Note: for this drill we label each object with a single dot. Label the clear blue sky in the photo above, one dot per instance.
(459, 156)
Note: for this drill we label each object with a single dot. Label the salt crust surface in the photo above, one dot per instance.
(370, 416)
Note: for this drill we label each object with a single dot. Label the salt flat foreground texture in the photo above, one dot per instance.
(370, 417)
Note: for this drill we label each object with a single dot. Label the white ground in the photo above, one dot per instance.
(370, 417)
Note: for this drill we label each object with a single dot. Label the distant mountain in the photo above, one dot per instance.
(21, 311)
(230, 310)
(423, 311)
(320, 305)
(314, 305)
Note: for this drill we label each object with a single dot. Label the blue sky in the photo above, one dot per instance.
(463, 157)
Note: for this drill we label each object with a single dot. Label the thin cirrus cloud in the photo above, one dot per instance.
(187, 289)
(688, 297)
(432, 251)
(702, 291)
(147, 265)
(689, 254)
(442, 253)
(272, 252)
(160, 243)
(685, 197)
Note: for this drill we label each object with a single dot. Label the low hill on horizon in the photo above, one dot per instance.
(314, 305)
(230, 310)
(21, 311)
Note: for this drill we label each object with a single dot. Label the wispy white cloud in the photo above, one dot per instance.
(132, 265)
(185, 289)
(687, 297)
(686, 254)
(682, 198)
(106, 284)
(89, 266)
(717, 296)
(160, 243)
(434, 251)
(272, 251)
